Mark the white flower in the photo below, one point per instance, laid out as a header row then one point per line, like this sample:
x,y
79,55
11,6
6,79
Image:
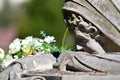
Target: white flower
x,y
42,52
49,39
41,40
27,41
16,57
41,47
38,42
2,53
15,46
37,45
8,59
48,50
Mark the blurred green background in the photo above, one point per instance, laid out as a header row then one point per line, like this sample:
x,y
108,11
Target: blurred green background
x,y
33,16
42,15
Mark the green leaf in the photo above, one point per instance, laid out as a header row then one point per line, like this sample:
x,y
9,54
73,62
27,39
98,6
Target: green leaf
x,y
19,54
1,59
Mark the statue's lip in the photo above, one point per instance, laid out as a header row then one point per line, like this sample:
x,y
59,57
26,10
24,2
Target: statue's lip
x,y
95,18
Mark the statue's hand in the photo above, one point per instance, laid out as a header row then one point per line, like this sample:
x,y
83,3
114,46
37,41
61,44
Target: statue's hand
x,y
91,43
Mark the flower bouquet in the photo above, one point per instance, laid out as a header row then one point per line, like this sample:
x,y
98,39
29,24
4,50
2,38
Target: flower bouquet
x,y
29,46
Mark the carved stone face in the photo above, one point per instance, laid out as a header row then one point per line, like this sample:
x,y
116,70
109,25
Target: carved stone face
x,y
93,20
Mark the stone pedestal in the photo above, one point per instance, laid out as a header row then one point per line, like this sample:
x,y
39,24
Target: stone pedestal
x,y
66,75
73,77
78,77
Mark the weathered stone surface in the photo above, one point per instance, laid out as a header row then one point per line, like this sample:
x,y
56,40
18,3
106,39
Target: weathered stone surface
x,y
45,76
37,62
32,78
85,62
102,15
94,25
11,72
73,77
77,77
67,75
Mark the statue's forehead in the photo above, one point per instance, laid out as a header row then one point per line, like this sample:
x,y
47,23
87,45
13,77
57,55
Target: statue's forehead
x,y
104,14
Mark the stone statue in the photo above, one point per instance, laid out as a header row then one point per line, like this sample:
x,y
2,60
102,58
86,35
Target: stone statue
x,y
95,26
21,66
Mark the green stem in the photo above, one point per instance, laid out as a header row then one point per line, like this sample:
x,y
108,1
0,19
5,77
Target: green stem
x,y
64,36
